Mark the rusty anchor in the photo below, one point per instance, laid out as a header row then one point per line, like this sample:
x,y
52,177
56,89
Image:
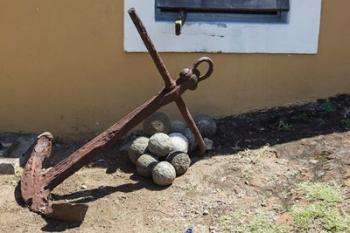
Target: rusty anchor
x,y
36,183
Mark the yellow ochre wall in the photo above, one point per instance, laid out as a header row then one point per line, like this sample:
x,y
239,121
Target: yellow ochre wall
x,y
63,69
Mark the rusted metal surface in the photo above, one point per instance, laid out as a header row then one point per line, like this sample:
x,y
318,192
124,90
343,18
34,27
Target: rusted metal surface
x,y
32,189
36,183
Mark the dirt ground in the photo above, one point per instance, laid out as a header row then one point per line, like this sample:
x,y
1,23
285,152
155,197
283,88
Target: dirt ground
x,y
258,163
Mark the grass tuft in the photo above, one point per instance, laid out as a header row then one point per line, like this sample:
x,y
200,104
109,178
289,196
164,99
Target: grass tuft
x,y
260,223
304,217
322,192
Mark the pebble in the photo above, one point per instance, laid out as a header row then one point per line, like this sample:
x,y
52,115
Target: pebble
x,y
208,143
9,166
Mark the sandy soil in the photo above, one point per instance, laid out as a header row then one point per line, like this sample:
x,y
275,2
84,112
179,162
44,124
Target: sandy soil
x,y
247,176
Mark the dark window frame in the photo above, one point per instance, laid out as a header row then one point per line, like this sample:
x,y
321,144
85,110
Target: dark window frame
x,y
256,11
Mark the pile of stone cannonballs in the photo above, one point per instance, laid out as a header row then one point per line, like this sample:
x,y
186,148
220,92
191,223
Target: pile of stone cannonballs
x,y
163,152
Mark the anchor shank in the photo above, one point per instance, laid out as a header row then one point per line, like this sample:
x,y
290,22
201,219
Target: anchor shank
x,y
158,61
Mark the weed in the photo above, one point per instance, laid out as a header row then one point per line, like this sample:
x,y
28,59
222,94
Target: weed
x,y
334,222
328,107
238,223
322,212
304,217
263,223
330,194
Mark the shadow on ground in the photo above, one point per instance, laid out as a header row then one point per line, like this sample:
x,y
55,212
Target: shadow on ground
x,y
235,133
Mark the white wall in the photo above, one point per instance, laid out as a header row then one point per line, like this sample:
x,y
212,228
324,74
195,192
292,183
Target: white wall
x,y
299,35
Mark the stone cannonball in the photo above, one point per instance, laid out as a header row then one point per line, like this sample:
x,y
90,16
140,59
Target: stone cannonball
x,y
178,126
206,125
180,142
158,122
180,161
191,139
160,145
137,148
145,164
163,173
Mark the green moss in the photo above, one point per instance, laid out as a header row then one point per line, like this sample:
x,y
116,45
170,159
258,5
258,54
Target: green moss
x,y
322,192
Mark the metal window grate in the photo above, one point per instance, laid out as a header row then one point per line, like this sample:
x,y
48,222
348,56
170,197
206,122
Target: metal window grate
x,y
269,11
225,6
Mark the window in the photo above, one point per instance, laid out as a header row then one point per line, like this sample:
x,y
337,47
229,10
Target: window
x,y
284,26
222,10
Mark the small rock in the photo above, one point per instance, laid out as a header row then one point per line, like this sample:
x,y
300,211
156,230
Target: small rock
x,y
205,212
180,142
137,148
83,187
158,122
9,166
208,143
180,161
206,125
212,229
347,182
145,164
313,161
163,173
178,126
160,145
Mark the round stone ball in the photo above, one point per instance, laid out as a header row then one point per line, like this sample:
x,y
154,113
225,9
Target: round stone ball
x,y
180,142
206,125
145,164
158,122
137,148
191,139
160,145
178,126
163,173
180,161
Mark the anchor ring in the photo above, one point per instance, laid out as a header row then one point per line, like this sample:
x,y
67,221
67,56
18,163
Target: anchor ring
x,y
210,67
